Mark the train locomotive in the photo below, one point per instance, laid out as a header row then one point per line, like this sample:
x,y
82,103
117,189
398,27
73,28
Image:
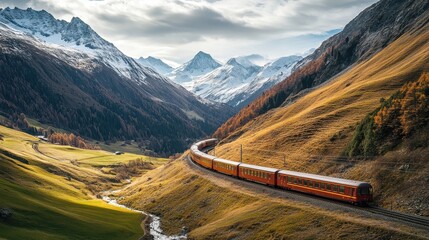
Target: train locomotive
x,y
351,191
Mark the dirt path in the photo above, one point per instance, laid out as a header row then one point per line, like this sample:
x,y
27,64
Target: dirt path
x,y
36,148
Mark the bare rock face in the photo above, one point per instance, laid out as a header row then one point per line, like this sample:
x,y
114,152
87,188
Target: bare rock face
x,y
371,31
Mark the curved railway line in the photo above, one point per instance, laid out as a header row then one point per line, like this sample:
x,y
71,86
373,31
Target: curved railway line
x,y
373,212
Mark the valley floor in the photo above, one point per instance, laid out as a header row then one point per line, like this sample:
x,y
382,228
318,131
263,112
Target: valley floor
x,y
52,192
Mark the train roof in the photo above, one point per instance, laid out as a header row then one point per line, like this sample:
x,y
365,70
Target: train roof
x,y
324,178
266,169
226,161
203,154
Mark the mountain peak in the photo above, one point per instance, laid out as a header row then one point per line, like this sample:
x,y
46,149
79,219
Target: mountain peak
x,y
202,54
233,62
202,61
155,63
77,20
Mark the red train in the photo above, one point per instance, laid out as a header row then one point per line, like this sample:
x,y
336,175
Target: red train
x,y
335,188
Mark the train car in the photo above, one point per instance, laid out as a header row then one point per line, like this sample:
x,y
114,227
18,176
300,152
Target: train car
x,y
329,187
203,159
206,143
226,166
258,174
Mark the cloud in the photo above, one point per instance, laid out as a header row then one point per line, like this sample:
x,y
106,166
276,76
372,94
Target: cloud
x,y
167,26
177,29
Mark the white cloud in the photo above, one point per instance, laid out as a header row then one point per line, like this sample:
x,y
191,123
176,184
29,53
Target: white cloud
x,y
176,29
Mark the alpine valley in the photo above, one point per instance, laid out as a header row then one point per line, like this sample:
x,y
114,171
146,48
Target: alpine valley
x,y
65,75
247,139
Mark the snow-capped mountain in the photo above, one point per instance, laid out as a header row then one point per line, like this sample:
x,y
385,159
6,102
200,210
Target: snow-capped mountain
x,y
156,64
271,74
254,59
74,35
201,64
75,80
223,83
240,79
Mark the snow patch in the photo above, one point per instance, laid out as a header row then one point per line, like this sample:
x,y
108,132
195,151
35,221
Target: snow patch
x,y
193,115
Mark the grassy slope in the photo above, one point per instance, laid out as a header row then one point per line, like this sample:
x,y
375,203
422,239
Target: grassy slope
x,y
215,209
50,198
112,147
303,131
94,158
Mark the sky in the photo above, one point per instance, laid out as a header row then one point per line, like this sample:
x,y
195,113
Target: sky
x,y
175,30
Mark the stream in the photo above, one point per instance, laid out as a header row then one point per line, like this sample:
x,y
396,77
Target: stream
x,y
155,222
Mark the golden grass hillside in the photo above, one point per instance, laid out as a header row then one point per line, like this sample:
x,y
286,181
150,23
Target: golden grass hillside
x,y
213,208
311,133
52,198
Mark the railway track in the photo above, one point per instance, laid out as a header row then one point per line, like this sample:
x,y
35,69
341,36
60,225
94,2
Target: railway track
x,y
422,221
371,211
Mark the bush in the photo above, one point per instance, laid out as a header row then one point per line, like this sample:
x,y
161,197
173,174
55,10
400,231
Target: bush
x,y
402,115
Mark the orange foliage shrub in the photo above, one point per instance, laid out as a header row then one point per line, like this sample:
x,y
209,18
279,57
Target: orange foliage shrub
x,y
71,140
408,110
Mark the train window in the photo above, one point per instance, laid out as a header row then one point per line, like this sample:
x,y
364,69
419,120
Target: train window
x,y
310,183
284,179
305,182
335,187
364,191
290,179
328,187
322,186
316,185
341,189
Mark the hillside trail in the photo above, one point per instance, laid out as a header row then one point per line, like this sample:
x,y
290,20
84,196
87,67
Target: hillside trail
x,y
35,146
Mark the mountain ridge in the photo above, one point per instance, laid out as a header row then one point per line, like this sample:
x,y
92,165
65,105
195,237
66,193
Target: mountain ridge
x,y
82,90
156,64
200,64
372,30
